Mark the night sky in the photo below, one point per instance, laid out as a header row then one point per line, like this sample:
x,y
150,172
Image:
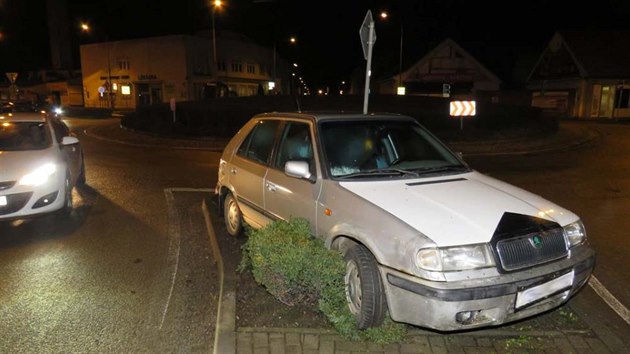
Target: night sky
x,y
506,36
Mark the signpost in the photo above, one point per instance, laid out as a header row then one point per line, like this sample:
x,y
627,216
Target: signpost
x,y
463,109
12,89
368,38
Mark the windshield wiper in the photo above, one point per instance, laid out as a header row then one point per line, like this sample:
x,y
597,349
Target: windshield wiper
x,y
438,169
379,172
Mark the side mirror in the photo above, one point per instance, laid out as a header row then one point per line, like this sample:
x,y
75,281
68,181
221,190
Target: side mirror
x,y
69,140
298,169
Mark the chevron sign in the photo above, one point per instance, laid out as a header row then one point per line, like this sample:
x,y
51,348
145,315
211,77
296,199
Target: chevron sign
x,y
463,108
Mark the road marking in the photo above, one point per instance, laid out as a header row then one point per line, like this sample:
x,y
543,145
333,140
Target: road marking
x,y
173,247
610,299
175,241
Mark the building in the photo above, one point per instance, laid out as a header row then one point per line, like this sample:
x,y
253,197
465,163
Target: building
x,y
584,74
57,87
448,70
130,73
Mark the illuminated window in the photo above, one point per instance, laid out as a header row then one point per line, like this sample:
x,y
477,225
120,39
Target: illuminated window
x,y
125,89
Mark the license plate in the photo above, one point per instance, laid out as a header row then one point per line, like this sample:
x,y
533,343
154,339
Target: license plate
x,y
541,291
3,200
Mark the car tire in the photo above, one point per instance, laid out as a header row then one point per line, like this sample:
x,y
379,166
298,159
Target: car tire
x,y
364,289
232,216
68,203
81,177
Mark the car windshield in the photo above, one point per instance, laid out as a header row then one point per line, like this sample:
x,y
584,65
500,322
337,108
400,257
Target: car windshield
x,y
24,136
384,148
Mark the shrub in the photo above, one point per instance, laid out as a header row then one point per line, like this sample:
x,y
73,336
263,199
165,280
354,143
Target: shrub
x,y
297,268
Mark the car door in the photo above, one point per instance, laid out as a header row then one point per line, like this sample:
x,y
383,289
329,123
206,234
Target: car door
x,y
286,196
248,168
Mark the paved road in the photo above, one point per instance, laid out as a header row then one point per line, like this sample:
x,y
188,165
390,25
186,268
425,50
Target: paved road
x,y
130,272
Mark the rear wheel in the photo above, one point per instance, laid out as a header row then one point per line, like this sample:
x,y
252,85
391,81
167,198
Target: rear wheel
x,y
364,290
232,215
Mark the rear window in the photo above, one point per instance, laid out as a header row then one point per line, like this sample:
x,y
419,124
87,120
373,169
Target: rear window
x,y
24,136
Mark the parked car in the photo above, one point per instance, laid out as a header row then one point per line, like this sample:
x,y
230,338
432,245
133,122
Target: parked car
x,y
426,238
40,163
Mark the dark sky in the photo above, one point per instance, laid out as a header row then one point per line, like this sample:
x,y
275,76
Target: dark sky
x,y
501,35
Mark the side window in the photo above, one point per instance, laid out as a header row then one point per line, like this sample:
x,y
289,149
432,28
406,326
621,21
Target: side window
x,y
296,144
259,142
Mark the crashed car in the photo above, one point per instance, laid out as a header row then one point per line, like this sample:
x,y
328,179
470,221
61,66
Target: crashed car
x,y
426,239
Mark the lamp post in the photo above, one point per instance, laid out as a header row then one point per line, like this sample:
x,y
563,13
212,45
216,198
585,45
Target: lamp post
x,y
85,27
384,16
216,4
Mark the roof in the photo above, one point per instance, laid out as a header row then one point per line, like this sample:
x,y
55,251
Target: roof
x,y
22,117
600,53
330,115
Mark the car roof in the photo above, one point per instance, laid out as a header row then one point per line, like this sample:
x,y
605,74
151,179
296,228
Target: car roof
x,y
23,117
333,115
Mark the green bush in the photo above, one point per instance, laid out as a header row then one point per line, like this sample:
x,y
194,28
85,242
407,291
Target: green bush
x,y
297,268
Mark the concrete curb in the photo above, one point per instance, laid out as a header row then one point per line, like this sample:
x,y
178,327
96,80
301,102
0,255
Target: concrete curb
x,y
225,330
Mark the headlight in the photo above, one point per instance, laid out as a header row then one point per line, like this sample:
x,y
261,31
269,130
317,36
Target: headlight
x,y
58,110
574,234
39,176
455,258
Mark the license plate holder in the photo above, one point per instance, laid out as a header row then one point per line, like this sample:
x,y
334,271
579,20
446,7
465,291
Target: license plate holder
x,y
539,292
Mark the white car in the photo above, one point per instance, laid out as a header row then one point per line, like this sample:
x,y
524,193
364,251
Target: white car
x,y
40,163
426,238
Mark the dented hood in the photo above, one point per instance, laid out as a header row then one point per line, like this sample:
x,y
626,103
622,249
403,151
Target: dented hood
x,y
456,209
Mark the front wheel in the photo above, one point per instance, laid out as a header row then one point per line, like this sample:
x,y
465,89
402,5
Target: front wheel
x,y
364,290
232,216
68,203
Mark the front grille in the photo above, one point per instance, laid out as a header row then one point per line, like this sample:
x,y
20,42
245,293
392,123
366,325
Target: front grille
x,y
531,249
15,202
6,185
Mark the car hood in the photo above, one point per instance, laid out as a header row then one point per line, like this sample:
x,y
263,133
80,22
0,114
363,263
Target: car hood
x,y
456,210
15,164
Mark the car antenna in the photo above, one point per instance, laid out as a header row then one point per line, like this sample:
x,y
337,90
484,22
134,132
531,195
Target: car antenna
x,y
297,103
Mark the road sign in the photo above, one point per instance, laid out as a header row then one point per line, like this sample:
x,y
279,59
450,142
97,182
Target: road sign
x,y
463,108
368,38
364,33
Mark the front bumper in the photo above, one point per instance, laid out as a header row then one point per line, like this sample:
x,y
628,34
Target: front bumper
x,y
24,202
466,304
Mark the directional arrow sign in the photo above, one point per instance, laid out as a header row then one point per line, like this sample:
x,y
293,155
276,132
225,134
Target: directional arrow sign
x,y
463,108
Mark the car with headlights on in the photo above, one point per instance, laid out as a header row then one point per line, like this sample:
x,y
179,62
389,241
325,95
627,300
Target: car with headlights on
x,y
426,239
40,163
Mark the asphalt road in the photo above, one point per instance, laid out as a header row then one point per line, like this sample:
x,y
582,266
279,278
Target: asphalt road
x,y
132,271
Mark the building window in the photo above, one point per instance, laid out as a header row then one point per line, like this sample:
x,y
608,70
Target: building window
x,y
123,64
125,90
251,68
221,66
237,67
622,99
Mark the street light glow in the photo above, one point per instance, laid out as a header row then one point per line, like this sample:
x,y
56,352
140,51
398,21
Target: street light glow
x,y
295,65
293,40
85,27
384,15
217,3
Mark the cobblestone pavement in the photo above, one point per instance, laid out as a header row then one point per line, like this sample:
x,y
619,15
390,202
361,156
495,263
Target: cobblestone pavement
x,y
303,341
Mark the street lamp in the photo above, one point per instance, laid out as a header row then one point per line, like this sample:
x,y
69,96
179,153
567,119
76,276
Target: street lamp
x,y
216,4
85,27
384,16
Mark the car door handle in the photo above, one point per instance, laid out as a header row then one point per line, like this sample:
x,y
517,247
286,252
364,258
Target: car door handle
x,y
271,187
